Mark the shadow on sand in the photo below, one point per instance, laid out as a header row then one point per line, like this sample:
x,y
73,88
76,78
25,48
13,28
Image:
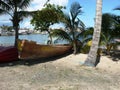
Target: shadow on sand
x,y
115,56
33,61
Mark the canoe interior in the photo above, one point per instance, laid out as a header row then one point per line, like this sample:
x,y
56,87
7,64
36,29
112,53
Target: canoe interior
x,y
31,50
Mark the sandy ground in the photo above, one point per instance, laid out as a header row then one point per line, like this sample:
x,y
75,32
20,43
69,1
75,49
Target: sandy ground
x,y
65,73
106,63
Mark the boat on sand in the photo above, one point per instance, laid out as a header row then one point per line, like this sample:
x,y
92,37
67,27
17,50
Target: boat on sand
x,y
8,54
32,50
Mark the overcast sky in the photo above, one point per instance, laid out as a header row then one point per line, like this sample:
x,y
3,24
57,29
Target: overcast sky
x,y
88,7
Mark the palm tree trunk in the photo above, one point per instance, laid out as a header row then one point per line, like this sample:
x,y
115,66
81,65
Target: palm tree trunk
x,y
15,22
16,35
75,47
92,56
16,28
74,43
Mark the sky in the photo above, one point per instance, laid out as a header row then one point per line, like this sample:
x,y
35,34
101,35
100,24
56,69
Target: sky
x,y
88,8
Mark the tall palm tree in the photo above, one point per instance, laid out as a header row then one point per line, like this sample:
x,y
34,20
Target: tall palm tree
x,y
73,23
92,56
15,8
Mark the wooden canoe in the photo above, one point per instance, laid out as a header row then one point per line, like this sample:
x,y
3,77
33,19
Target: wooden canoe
x,y
8,54
31,50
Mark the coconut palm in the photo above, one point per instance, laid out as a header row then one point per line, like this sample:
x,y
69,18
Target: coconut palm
x,y
92,56
82,37
15,8
110,30
73,24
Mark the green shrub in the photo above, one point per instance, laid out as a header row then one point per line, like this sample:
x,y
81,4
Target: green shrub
x,y
85,49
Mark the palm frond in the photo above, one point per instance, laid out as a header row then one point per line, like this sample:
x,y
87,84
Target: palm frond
x,y
80,25
2,11
106,39
61,35
24,3
23,14
80,35
117,8
116,19
5,5
88,32
67,21
85,40
75,10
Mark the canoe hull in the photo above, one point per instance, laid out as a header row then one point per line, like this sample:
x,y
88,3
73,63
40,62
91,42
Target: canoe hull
x,y
8,54
33,50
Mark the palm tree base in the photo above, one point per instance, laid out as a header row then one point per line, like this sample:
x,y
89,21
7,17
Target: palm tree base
x,y
87,63
91,63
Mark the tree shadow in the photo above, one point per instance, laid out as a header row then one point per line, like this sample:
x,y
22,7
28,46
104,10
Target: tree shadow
x,y
29,62
115,55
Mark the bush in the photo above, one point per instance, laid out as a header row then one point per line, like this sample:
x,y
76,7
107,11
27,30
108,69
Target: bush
x,y
85,49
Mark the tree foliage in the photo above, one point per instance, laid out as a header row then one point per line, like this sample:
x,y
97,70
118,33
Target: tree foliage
x,y
16,9
110,30
5,27
46,17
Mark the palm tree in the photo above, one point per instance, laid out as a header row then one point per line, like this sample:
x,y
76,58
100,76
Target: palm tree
x,y
92,56
73,23
110,30
15,8
81,37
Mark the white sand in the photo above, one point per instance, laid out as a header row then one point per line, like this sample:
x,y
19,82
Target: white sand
x,y
106,63
62,74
